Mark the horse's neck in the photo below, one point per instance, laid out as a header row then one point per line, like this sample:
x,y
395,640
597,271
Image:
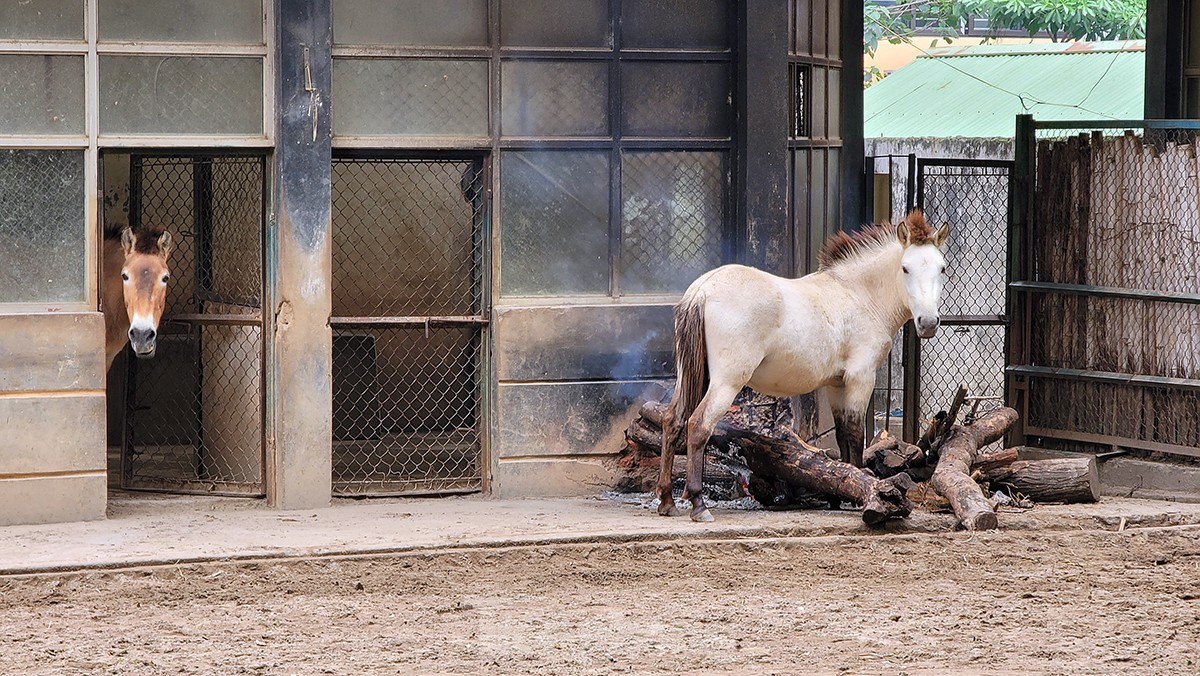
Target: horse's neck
x,y
112,299
873,278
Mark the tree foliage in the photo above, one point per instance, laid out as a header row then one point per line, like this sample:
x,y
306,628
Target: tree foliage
x,y
1060,19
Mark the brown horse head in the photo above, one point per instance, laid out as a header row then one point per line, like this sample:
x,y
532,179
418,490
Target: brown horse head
x,y
144,275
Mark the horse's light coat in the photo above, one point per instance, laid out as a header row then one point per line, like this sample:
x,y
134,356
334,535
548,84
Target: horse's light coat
x,y
785,337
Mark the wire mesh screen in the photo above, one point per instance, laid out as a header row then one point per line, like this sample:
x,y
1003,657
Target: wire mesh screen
x,y
1114,295
194,412
408,305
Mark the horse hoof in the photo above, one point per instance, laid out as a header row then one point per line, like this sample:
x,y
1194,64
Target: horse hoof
x,y
668,509
703,516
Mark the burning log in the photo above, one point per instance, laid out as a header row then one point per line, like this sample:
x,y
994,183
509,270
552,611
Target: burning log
x,y
783,471
1055,480
952,477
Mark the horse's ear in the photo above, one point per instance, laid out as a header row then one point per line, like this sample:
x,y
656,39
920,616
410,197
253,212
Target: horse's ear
x,y
943,233
127,239
164,244
902,233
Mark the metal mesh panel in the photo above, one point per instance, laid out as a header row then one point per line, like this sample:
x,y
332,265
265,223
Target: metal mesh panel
x,y
194,411
673,214
408,299
1113,294
41,225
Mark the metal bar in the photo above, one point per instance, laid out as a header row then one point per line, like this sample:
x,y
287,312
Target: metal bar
x,y
1110,377
214,319
120,141
409,321
1016,339
395,52
1088,437
1116,124
944,162
44,141
974,320
181,49
1109,292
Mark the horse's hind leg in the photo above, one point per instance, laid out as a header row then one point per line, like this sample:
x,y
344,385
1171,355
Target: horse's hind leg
x,y
666,464
699,428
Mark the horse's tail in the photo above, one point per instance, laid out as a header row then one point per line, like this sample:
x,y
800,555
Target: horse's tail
x,y
691,356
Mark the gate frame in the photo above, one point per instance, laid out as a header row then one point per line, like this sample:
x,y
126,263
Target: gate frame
x,y
1022,286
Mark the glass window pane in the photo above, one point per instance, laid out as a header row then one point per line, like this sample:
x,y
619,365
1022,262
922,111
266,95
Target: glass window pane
x,y
803,17
1192,104
800,208
554,223
817,228
445,23
554,23
180,95
410,97
42,226
236,21
42,19
819,26
835,30
675,99
835,102
672,216
554,98
820,106
683,24
41,94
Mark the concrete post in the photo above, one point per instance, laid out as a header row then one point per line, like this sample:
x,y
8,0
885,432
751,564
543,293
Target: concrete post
x,y
300,390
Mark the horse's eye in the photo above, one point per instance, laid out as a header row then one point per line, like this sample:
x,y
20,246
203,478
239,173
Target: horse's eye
x,y
943,269
165,278
905,269
125,276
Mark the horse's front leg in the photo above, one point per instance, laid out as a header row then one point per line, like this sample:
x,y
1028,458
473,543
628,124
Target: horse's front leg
x,y
849,404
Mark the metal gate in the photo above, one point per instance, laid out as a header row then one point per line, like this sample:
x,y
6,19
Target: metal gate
x,y
410,314
194,412
921,376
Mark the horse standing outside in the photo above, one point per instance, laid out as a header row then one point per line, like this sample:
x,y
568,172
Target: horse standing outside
x,y
739,326
133,288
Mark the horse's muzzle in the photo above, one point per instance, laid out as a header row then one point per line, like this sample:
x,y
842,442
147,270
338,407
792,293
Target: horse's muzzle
x,y
927,326
142,341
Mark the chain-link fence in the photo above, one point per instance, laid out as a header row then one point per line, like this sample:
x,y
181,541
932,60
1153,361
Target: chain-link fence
x,y
409,310
1109,287
921,377
194,412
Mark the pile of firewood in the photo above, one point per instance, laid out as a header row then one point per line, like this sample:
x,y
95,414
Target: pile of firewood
x,y
780,470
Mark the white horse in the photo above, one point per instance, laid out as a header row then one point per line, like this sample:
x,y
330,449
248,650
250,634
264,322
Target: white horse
x,y
738,326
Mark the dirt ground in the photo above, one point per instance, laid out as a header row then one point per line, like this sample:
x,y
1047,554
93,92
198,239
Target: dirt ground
x,y
1022,602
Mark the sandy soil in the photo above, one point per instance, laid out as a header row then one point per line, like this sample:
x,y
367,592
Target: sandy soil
x,y
1085,602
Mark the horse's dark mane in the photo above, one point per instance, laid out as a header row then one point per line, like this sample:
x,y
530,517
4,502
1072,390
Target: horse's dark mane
x,y
847,246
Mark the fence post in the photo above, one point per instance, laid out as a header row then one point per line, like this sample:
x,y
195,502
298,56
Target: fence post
x,y
1022,189
299,377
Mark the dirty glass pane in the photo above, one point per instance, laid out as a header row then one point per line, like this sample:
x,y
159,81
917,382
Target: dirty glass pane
x,y
672,217
180,95
236,21
800,208
554,23
696,93
41,226
41,94
410,97
834,104
554,98
817,229
820,106
680,24
554,223
41,19
1192,103
819,27
445,23
835,30
802,44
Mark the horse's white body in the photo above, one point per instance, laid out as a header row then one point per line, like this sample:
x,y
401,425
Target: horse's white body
x,y
784,337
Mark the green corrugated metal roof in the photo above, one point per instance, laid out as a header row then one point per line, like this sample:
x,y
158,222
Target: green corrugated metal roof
x,y
978,91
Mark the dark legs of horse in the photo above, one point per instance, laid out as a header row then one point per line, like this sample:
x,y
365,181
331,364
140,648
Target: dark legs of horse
x,y
670,435
849,429
700,426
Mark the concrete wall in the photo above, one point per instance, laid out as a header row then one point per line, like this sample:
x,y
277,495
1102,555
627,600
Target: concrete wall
x,y
567,381
52,459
